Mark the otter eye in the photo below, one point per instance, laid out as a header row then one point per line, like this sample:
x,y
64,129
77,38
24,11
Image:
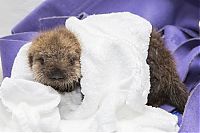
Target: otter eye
x,y
41,60
72,60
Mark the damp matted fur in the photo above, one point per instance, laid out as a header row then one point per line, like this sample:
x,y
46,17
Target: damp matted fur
x,y
54,58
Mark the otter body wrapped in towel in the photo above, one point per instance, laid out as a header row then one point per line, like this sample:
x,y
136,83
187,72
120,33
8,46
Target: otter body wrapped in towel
x,y
116,57
115,83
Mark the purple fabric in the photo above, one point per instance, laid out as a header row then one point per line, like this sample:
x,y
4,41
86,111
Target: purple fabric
x,y
9,47
191,119
183,13
177,20
51,22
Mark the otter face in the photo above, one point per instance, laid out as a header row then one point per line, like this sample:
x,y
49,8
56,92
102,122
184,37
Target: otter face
x,y
54,58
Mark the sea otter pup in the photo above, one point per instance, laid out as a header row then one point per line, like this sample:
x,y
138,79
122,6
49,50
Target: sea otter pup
x,y
54,58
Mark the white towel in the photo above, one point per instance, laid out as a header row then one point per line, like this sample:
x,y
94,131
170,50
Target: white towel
x,y
115,83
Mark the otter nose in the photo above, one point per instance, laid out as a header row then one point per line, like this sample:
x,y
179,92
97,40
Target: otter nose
x,y
56,74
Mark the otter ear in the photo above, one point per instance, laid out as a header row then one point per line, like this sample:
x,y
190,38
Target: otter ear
x,y
30,59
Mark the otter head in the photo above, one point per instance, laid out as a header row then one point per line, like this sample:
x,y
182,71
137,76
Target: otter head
x,y
54,58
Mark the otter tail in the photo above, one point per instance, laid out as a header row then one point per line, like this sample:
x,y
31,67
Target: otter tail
x,y
178,96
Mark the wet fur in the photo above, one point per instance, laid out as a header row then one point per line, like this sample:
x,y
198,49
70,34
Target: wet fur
x,y
166,86
52,50
59,47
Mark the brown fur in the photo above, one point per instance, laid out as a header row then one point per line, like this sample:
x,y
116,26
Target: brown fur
x,y
166,87
56,53
59,46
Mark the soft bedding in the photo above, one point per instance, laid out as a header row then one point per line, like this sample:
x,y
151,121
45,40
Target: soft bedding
x,y
115,84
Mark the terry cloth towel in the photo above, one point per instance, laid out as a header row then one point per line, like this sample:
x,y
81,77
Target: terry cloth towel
x,y
115,83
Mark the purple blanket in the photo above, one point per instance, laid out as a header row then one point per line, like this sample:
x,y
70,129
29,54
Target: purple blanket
x,y
177,20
